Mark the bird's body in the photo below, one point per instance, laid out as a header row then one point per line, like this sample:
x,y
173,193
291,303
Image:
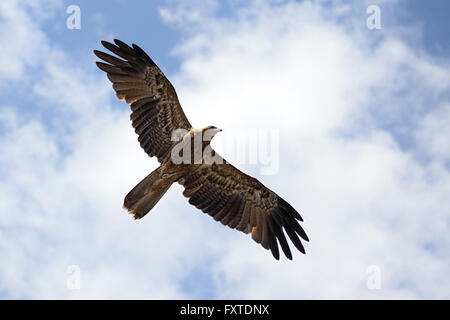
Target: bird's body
x,y
210,182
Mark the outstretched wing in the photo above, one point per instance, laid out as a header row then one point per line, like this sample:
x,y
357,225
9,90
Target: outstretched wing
x,y
243,203
156,111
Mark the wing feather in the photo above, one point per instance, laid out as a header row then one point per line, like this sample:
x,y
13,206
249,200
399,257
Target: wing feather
x,y
220,190
155,109
243,203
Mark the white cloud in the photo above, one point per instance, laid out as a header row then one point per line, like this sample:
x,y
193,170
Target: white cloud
x,y
328,89
366,199
24,40
188,13
434,133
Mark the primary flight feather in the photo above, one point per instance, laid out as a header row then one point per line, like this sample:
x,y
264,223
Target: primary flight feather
x,y
215,187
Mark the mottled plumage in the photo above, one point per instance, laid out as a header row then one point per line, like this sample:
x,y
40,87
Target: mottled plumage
x,y
218,189
156,111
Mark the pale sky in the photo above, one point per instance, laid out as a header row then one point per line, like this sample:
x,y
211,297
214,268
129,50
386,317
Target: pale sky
x,y
362,116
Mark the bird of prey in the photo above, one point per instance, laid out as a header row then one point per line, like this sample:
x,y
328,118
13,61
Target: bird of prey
x,y
215,187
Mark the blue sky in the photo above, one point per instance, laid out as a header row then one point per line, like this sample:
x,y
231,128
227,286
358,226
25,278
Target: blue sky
x,y
363,118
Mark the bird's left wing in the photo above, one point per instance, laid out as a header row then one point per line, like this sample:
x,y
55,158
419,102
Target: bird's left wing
x,y
243,203
156,111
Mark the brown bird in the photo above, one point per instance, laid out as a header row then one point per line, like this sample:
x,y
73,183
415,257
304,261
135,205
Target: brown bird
x,y
215,187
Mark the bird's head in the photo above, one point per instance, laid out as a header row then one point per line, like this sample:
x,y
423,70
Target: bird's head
x,y
209,132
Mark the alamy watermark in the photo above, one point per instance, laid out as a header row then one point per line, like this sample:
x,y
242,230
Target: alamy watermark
x,y
374,19
73,281
254,147
373,281
73,21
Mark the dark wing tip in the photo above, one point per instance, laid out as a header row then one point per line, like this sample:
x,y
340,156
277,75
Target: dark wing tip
x,y
108,45
141,53
275,251
120,43
306,238
99,53
287,218
275,225
124,47
105,43
285,205
103,66
298,228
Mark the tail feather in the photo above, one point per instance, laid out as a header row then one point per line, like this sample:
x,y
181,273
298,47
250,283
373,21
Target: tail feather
x,y
144,196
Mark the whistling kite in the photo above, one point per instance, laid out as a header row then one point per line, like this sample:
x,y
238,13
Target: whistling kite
x,y
219,189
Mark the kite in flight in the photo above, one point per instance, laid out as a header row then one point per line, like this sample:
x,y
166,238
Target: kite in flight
x,y
215,187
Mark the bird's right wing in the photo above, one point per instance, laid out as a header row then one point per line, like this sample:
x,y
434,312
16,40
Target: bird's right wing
x,y
243,203
156,111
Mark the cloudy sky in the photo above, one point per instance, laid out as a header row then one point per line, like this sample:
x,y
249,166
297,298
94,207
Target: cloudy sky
x,y
362,118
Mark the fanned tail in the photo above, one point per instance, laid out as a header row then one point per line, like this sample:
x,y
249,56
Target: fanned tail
x,y
146,194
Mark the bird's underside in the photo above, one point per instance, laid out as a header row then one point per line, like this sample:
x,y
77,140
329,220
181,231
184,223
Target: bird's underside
x,y
218,188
